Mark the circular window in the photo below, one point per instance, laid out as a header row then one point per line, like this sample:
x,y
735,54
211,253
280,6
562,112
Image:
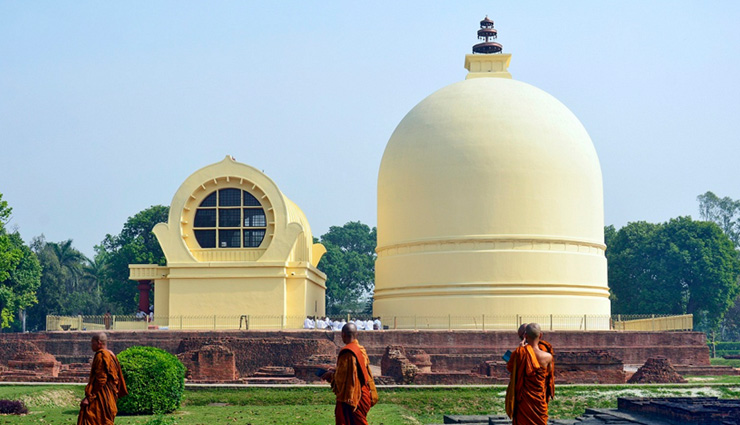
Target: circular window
x,y
230,218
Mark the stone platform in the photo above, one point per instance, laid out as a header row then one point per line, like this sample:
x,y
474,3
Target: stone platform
x,y
637,411
443,357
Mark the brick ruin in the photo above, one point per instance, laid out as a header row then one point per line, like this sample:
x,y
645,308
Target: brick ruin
x,y
214,363
687,410
637,411
25,362
571,367
656,370
398,357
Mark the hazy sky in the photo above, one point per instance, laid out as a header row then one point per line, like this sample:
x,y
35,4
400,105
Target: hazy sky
x,y
106,107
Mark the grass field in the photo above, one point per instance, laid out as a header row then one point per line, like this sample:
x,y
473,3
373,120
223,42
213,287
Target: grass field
x,y
725,362
57,404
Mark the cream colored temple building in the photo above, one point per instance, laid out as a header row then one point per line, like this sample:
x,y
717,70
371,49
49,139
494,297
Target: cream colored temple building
x,y
490,203
235,246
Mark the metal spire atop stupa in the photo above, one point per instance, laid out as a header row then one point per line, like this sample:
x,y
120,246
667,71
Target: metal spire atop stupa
x,y
487,33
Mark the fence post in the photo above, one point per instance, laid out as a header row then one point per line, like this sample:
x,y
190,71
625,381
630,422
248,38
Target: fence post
x,y
652,322
181,322
395,322
585,327
282,321
483,322
517,321
551,322
449,322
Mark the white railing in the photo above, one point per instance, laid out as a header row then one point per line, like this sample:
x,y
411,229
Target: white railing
x,y
439,322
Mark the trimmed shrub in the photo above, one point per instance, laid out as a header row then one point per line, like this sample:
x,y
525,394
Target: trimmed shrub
x,y
155,381
12,407
726,345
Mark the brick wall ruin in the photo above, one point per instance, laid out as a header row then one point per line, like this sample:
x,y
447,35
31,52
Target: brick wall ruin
x,y
439,356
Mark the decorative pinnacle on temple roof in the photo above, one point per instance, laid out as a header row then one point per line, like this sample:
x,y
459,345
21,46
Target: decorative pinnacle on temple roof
x,y
487,33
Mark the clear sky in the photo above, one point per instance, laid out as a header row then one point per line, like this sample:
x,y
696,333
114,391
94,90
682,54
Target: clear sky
x,y
106,107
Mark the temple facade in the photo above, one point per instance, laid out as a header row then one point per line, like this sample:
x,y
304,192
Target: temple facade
x,y
236,247
490,202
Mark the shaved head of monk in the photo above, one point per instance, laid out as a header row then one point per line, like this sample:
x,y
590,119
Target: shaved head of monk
x,y
533,331
98,341
522,330
349,333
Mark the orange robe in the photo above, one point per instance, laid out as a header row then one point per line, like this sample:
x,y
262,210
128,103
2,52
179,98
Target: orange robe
x,y
530,387
105,386
353,385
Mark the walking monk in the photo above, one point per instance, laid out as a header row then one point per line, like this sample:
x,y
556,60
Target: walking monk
x,y
105,386
531,386
352,381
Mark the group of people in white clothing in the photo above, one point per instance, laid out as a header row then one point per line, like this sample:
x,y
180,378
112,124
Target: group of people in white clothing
x,y
326,323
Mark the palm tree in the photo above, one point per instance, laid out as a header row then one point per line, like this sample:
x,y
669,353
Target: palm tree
x,y
70,259
94,271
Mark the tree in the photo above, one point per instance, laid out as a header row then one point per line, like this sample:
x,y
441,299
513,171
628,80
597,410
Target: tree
x,y
682,266
349,264
18,291
51,291
70,260
136,244
636,270
723,211
19,271
730,328
726,213
94,272
9,255
64,288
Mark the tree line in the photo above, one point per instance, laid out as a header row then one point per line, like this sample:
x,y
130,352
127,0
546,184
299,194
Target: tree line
x,y
682,266
677,267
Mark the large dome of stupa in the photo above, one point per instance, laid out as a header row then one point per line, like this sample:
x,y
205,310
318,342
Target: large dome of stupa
x,y
490,203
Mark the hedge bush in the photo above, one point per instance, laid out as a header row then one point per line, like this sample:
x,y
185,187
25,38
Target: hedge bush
x,y
12,407
726,345
155,381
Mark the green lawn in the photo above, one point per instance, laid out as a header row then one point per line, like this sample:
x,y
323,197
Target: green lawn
x,y
725,362
57,404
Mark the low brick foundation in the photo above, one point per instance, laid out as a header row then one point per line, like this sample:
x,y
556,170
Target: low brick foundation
x,y
588,367
437,353
707,370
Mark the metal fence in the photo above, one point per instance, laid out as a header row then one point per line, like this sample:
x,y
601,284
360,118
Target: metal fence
x,y
444,322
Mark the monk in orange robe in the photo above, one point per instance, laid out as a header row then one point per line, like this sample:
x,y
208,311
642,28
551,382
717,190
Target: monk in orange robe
x,y
352,381
531,385
105,386
544,346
